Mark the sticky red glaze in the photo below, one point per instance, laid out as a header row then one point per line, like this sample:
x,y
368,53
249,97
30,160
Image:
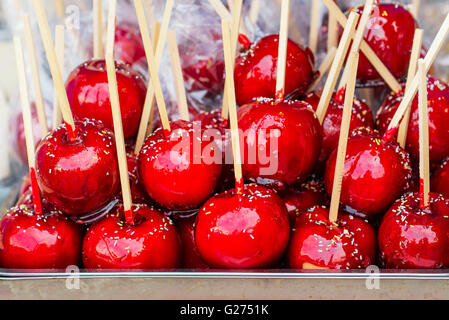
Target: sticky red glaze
x,y
299,143
18,130
138,193
389,32
205,74
29,241
191,258
88,93
128,44
350,243
78,177
440,179
173,172
361,117
151,243
376,173
438,104
250,230
255,70
311,193
411,237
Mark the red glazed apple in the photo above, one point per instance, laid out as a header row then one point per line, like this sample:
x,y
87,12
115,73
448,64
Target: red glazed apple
x,y
88,93
181,171
361,117
440,179
255,70
411,237
310,194
191,258
138,193
389,32
248,230
80,176
128,44
30,241
204,75
438,102
350,243
151,243
282,141
376,173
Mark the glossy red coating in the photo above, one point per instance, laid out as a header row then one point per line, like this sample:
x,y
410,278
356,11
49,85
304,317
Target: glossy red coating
x,y
88,92
128,44
440,179
191,258
138,193
81,176
297,200
151,243
256,67
295,129
29,241
205,74
389,32
248,230
438,106
179,172
350,243
361,117
411,237
376,173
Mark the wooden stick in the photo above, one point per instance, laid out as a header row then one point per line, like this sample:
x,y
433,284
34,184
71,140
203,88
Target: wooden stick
x,y
229,63
324,67
380,67
416,51
429,60
367,9
178,77
343,140
60,8
98,29
424,163
282,51
60,50
116,114
314,26
254,11
39,98
55,68
332,31
27,123
414,8
340,56
236,18
221,10
231,5
146,122
152,63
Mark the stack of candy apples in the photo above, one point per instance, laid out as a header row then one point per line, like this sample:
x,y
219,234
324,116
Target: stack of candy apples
x,y
283,175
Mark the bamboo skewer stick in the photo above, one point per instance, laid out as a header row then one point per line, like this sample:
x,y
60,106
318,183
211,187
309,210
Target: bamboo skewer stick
x,y
282,52
27,122
380,67
343,140
367,9
416,50
98,29
178,77
414,8
230,92
331,81
146,123
314,26
424,163
324,67
59,4
55,68
39,99
429,60
116,115
60,48
332,32
221,10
